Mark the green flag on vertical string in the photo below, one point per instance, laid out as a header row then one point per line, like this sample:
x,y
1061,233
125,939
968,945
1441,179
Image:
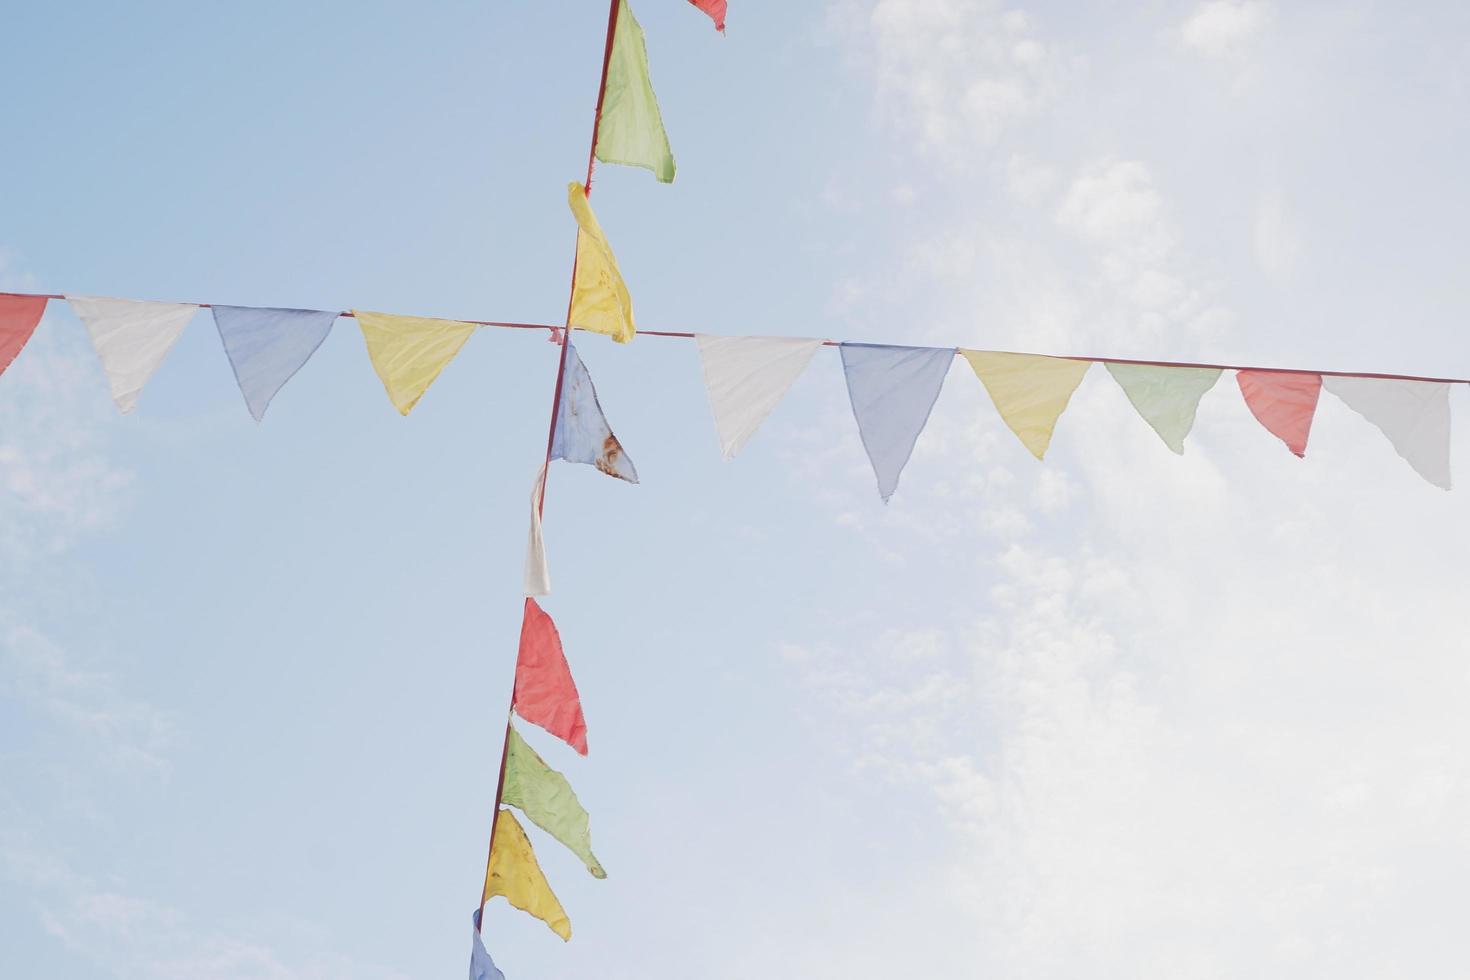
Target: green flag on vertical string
x,y
547,800
631,132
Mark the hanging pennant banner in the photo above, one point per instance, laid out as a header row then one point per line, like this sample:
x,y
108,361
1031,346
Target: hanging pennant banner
x,y
482,967
1030,391
1415,415
515,874
1166,397
631,129
18,318
600,300
716,10
544,692
892,391
746,377
267,346
547,800
582,434
1284,403
131,338
408,352
537,579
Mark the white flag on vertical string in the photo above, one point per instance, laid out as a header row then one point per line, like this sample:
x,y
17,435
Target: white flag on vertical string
x,y
1415,415
537,574
131,338
746,377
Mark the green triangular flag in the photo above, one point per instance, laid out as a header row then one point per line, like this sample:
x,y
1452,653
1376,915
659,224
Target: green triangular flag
x,y
547,800
1166,397
631,132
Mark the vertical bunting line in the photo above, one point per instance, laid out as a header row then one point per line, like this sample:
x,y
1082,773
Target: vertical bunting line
x,y
612,24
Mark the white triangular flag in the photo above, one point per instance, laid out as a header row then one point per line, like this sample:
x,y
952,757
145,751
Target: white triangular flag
x,y
1415,415
131,338
746,377
537,575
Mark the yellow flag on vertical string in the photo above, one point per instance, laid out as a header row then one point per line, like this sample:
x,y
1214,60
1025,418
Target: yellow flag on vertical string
x,y
1029,390
600,300
408,352
515,874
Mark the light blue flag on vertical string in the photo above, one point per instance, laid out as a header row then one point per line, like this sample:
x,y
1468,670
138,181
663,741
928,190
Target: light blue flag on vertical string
x,y
892,390
482,967
582,434
266,347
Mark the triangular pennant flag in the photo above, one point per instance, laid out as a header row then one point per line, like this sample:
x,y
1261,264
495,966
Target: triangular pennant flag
x,y
582,434
892,391
515,874
1030,391
537,578
1284,402
600,300
131,338
1166,397
547,800
1415,415
630,130
408,352
482,967
716,10
18,318
267,346
746,377
545,693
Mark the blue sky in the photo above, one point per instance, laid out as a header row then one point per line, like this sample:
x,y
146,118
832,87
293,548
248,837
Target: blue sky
x,y
1122,713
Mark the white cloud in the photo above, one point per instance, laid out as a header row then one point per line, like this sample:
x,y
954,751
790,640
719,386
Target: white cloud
x,y
1222,28
1277,238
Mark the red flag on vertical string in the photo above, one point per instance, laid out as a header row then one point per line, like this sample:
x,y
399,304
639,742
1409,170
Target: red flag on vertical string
x,y
716,11
1283,402
18,318
545,694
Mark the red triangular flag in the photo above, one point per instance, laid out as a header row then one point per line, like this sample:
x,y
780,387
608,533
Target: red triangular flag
x,y
715,9
545,694
1283,402
18,318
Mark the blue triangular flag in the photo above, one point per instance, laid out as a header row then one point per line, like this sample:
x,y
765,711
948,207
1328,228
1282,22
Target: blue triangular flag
x,y
582,434
267,346
482,967
892,390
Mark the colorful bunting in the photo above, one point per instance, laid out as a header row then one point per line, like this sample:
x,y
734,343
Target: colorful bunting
x,y
482,967
582,434
716,10
1029,390
408,352
515,874
267,346
746,377
631,129
1166,397
892,391
18,318
544,692
537,578
1415,415
600,300
547,800
1283,402
131,338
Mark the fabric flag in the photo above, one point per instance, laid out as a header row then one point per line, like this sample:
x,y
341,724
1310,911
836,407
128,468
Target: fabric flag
x,y
892,390
482,967
1166,397
746,377
544,692
582,434
1030,391
537,579
515,874
600,300
1415,415
18,318
408,352
631,129
547,800
131,337
716,10
267,346
1283,402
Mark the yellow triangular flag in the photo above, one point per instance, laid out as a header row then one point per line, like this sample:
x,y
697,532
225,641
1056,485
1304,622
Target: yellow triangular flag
x,y
600,300
1029,390
515,874
408,352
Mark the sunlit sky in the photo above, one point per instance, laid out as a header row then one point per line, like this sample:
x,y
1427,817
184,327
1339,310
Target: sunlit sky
x,y
1120,714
